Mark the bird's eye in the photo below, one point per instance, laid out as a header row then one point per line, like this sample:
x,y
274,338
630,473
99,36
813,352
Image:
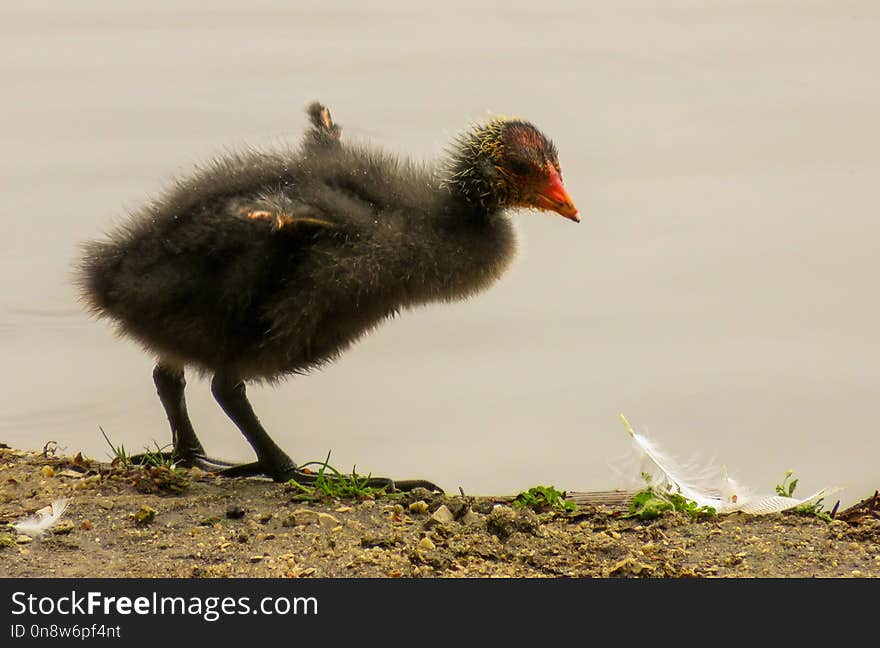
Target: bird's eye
x,y
520,167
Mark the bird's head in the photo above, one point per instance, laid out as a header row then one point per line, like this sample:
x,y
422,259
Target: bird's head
x,y
509,163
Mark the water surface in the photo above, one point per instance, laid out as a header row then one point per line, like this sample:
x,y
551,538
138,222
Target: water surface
x,y
721,291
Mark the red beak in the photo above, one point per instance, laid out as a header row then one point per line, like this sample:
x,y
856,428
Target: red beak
x,y
554,197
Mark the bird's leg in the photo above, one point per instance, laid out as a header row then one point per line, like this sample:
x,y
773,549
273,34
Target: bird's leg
x,y
272,461
188,451
230,393
170,385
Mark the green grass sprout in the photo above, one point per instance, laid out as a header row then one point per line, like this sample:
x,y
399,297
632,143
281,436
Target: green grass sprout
x,y
544,498
333,484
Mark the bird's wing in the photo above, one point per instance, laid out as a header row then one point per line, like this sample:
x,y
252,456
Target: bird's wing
x,y
281,213
282,219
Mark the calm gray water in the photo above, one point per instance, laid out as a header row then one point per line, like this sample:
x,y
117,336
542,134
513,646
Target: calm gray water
x,y
721,291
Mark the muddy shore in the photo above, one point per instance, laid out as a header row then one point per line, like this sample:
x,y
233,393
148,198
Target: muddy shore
x,y
136,522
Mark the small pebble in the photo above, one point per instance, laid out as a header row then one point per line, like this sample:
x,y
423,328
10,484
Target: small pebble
x,y
425,543
441,516
630,566
63,528
327,521
234,512
300,517
470,517
145,515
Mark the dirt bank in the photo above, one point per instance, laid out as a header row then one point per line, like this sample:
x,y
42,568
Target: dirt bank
x,y
131,522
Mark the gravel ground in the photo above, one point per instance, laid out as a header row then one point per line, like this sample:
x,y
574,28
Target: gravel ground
x,y
153,523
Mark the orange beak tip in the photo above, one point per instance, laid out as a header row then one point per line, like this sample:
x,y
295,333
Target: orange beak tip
x,y
553,196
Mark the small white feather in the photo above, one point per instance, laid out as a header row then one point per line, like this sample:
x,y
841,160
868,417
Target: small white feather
x,y
42,520
720,492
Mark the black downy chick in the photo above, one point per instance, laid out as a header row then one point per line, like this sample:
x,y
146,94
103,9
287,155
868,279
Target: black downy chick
x,y
266,264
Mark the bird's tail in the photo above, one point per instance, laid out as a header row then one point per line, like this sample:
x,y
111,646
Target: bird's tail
x,y
94,276
324,131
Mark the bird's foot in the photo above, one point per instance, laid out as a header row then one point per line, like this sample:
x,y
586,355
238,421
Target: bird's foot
x,y
182,459
308,478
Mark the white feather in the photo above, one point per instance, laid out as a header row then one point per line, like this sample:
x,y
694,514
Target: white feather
x,y
720,491
42,520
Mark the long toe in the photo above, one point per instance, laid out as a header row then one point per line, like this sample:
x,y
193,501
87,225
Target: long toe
x,y
184,460
253,469
412,484
309,478
152,458
208,464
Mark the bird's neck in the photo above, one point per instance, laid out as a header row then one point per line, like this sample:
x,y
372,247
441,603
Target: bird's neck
x,y
469,174
461,247
470,188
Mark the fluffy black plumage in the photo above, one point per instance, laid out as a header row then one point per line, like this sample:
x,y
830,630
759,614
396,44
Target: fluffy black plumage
x,y
199,283
264,264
